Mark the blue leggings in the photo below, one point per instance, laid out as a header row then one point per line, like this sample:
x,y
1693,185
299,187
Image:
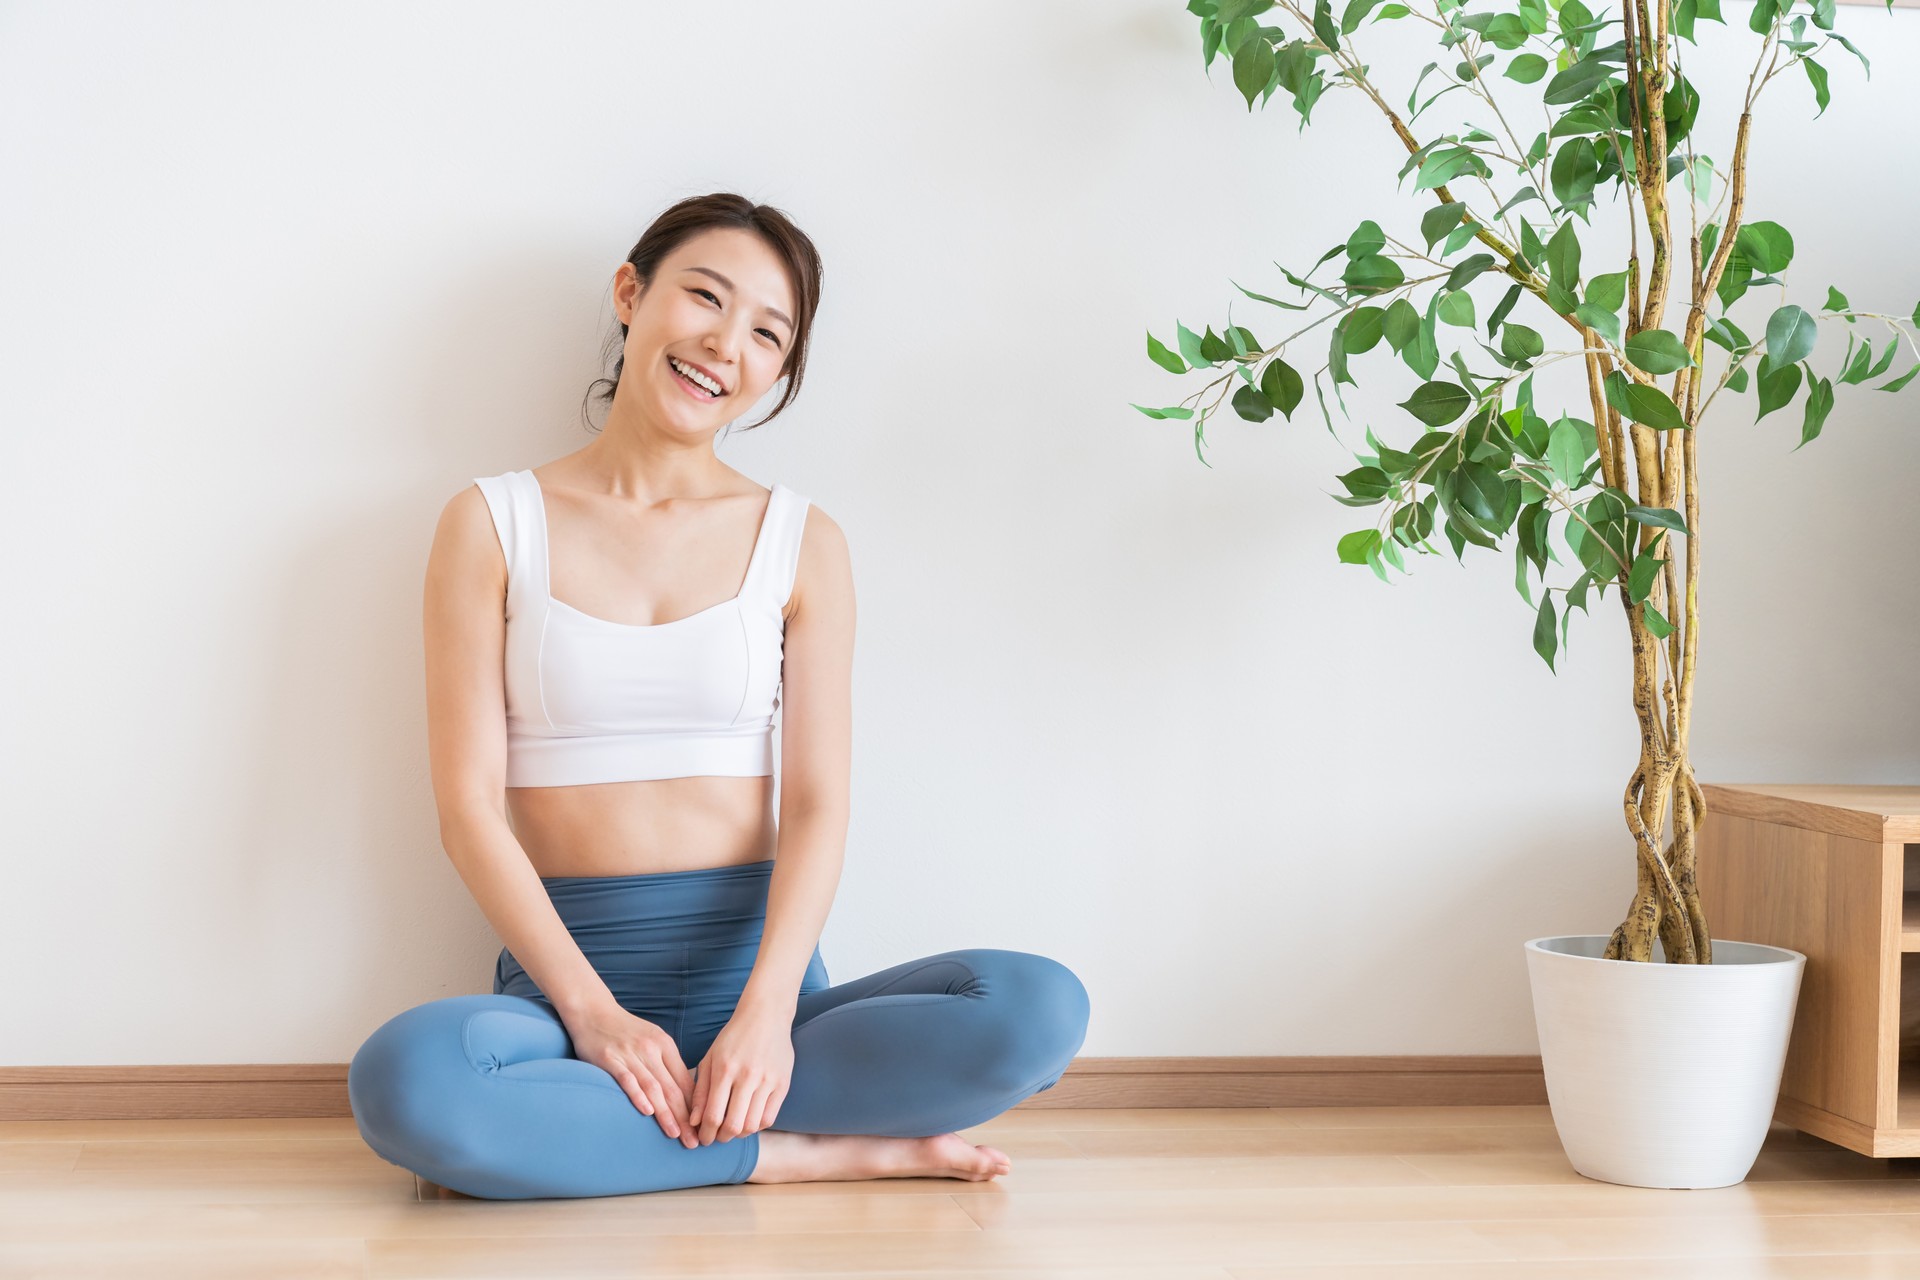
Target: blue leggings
x,y
483,1093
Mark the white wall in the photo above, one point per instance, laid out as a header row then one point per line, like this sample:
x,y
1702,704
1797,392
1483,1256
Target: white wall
x,y
278,283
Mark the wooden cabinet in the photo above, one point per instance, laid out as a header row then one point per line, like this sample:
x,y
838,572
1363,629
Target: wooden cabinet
x,y
1832,871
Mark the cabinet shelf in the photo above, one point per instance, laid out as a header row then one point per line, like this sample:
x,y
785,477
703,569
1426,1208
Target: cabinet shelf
x,y
1832,871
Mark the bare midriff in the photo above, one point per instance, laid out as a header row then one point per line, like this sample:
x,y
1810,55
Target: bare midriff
x,y
639,828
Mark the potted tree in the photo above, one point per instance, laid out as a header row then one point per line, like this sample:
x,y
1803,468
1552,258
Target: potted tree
x,y
1662,1046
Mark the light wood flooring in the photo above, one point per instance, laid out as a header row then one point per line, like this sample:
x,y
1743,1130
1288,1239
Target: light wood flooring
x,y
1427,1193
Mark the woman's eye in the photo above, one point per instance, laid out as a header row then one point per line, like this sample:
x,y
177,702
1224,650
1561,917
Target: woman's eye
x,y
716,302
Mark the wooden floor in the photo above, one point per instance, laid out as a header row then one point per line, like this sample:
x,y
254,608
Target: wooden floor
x,y
1247,1193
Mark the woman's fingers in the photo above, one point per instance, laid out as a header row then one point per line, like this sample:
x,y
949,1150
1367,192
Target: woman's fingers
x,y
759,1109
663,1108
631,1087
734,1123
713,1112
677,1103
677,1068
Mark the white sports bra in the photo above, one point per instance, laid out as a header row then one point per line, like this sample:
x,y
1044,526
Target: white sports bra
x,y
591,700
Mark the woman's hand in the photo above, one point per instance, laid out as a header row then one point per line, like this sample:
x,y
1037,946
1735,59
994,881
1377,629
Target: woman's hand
x,y
643,1060
744,1077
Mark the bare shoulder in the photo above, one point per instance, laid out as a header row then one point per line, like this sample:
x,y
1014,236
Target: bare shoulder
x,y
825,572
466,545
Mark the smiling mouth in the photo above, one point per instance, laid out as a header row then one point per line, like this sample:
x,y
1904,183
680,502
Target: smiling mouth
x,y
690,383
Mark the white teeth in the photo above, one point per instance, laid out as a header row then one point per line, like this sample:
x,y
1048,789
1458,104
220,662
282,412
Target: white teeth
x,y
695,376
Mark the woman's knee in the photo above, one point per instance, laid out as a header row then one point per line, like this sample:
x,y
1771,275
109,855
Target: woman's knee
x,y
413,1084
1045,1011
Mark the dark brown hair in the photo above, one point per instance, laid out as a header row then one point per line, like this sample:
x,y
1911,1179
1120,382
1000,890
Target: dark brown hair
x,y
697,214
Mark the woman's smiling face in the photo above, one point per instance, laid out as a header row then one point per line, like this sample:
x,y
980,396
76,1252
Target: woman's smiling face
x,y
721,301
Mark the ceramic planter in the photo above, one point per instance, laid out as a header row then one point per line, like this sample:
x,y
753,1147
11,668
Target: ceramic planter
x,y
1662,1075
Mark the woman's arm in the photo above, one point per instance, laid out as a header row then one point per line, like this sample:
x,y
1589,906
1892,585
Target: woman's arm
x,y
465,632
816,749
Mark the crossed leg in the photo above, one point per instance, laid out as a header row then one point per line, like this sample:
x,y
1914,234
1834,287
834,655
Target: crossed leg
x,y
482,1093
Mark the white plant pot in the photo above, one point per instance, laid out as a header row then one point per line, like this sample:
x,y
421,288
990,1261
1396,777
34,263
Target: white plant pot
x,y
1663,1075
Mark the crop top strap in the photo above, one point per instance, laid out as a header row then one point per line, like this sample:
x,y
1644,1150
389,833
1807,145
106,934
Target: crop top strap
x,y
514,500
776,559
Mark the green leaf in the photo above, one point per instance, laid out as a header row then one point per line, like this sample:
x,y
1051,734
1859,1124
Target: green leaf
x,y
1880,365
1657,351
1440,219
1370,483
1423,353
1817,76
1443,166
1163,357
1646,566
1437,403
1563,263
1190,346
1575,168
1545,634
1373,274
1467,269
1790,335
1836,300
1767,245
1733,280
1323,25
1360,331
1577,81
1527,68
1646,405
1252,68
1567,452
1457,309
1898,382
1367,238
1608,291
1518,342
1355,547
1728,334
1251,405
1505,305
1274,302
1655,620
1660,517
1179,412
1819,404
1859,368
1402,324
1281,385
1864,64
1776,385
1355,14
1604,322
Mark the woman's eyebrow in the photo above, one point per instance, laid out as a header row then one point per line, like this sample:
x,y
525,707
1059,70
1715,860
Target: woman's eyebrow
x,y
709,271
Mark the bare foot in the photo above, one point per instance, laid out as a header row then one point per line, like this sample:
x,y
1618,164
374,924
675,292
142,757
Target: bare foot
x,y
833,1157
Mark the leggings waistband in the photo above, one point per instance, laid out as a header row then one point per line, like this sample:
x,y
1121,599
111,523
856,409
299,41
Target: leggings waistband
x,y
670,943
694,875
702,904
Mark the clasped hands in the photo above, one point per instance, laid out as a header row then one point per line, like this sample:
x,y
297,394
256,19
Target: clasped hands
x,y
741,1082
